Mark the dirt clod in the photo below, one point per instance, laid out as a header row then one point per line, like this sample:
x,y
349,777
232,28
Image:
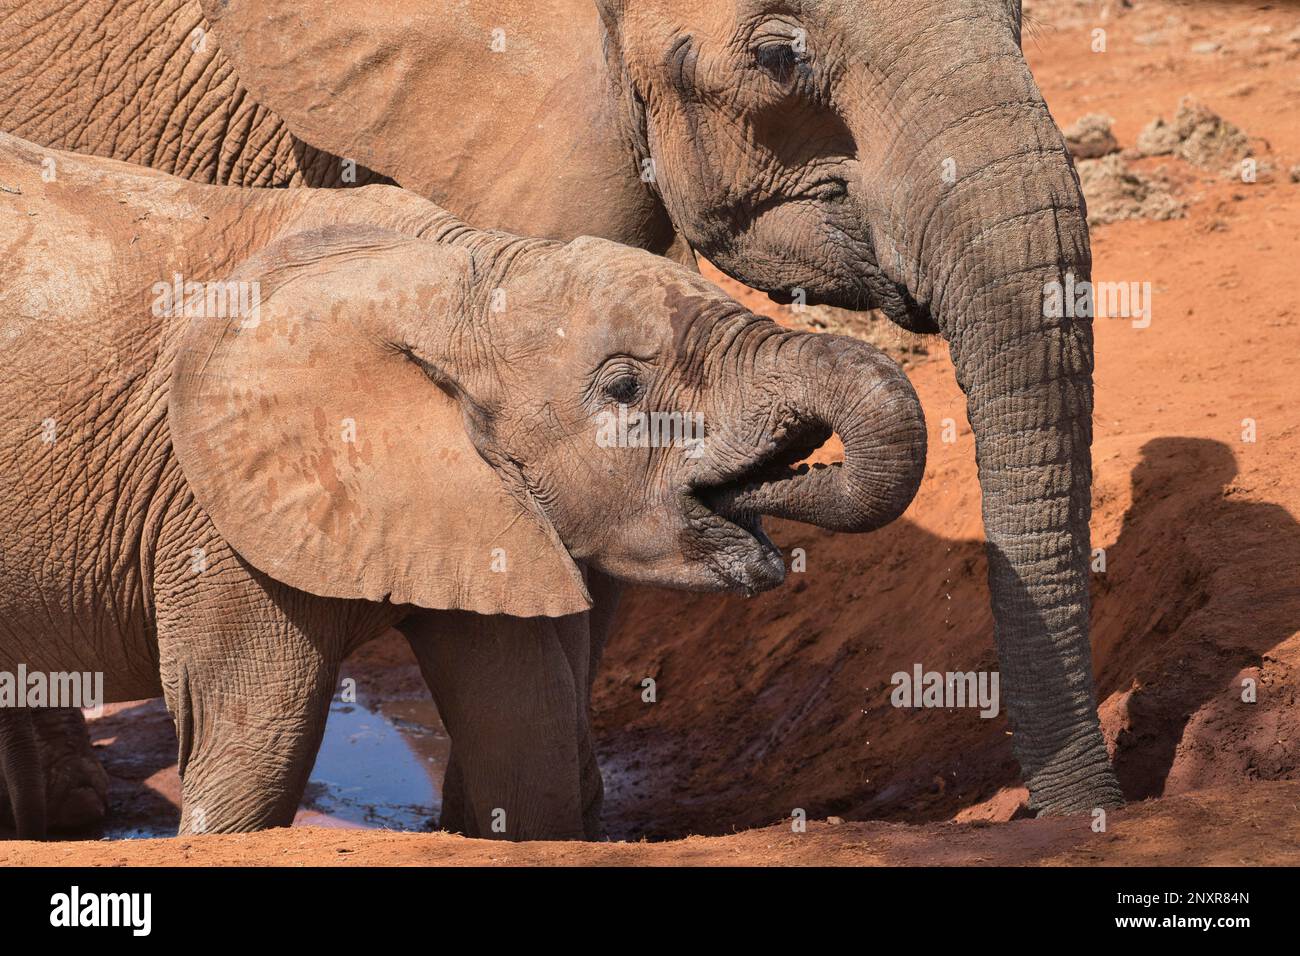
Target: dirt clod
x,y
1157,138
1197,135
1115,192
1090,137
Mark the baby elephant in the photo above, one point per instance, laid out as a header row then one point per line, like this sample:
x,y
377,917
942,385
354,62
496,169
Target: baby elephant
x,y
249,430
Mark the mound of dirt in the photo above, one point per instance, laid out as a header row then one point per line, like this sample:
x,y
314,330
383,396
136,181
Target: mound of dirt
x,y
1090,137
1114,192
1197,135
1157,138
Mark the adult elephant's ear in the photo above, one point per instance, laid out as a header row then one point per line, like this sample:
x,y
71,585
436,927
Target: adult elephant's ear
x,y
361,83
325,429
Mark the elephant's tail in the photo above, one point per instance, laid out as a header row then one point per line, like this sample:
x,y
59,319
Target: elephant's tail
x,y
20,763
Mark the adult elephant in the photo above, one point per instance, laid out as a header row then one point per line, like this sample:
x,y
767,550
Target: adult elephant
x,y
879,153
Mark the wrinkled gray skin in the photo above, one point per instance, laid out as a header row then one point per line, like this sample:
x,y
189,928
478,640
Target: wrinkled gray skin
x,y
890,153
49,745
20,769
478,430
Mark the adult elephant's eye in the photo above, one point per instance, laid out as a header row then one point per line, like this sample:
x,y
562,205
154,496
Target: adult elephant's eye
x,y
625,389
778,60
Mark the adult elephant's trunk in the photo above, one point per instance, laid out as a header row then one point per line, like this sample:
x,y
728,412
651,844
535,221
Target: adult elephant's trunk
x,y
835,385
983,215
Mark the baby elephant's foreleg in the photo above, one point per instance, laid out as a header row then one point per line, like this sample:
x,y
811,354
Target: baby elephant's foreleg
x,y
506,691
249,668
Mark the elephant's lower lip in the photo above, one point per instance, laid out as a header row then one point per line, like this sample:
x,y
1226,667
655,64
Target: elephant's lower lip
x,y
749,568
718,505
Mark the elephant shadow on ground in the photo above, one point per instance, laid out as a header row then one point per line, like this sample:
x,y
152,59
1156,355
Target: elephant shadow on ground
x,y
1200,589
782,701
717,713
137,747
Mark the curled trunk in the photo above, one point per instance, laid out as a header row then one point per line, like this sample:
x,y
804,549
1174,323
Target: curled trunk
x,y
837,386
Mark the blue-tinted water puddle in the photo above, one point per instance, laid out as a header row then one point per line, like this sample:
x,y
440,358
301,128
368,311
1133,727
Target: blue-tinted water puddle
x,y
375,769
378,768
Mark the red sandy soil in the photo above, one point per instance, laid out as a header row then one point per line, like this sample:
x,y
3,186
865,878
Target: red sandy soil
x,y
782,701
1189,830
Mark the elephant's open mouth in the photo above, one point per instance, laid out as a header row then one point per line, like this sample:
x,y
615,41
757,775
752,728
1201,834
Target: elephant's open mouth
x,y
726,506
754,486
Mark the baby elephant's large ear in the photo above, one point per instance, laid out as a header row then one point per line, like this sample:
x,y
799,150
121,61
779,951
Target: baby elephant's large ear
x,y
325,430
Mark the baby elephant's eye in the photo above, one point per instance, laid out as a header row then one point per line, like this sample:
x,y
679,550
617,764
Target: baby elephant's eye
x,y
625,389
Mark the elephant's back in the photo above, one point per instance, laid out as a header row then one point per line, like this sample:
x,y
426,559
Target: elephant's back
x,y
84,371
97,248
145,83
75,281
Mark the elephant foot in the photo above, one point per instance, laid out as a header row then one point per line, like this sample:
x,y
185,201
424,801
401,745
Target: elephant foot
x,y
76,793
76,786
